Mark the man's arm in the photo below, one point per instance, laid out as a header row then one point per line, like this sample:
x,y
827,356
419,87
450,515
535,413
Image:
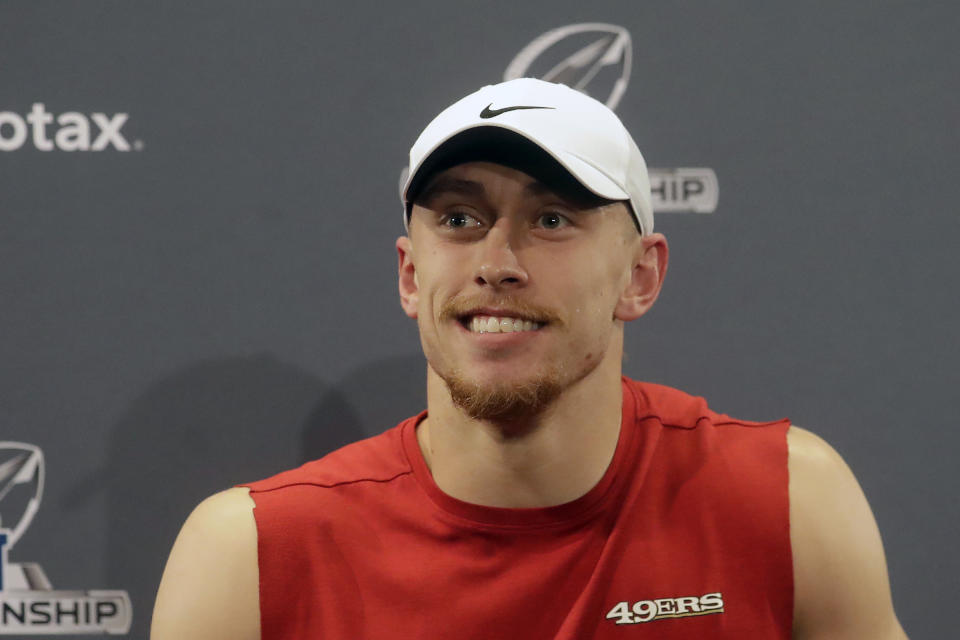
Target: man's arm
x,y
840,574
210,587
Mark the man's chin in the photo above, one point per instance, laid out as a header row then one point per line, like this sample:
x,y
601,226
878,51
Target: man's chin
x,y
503,401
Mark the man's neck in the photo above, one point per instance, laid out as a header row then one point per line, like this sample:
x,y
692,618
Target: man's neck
x,y
556,457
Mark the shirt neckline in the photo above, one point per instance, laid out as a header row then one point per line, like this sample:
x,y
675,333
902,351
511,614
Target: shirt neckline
x,y
568,513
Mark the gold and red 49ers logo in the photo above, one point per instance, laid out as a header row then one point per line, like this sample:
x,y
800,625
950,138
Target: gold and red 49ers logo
x,y
659,608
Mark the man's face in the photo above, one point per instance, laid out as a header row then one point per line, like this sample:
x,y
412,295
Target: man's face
x,y
519,292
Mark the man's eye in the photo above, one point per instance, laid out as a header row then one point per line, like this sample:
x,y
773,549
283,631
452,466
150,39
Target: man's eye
x,y
553,220
459,220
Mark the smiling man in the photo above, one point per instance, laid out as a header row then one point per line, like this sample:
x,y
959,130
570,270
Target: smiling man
x,y
541,494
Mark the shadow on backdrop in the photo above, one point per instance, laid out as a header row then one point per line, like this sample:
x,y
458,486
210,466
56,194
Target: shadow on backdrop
x,y
192,433
368,401
218,423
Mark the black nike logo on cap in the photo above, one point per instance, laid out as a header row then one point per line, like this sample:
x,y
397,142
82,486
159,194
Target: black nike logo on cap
x,y
493,113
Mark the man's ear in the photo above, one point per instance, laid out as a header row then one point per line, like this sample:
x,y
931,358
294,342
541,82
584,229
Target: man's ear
x,y
409,287
649,267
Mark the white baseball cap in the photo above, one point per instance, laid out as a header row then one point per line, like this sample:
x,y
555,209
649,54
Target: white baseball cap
x,y
584,136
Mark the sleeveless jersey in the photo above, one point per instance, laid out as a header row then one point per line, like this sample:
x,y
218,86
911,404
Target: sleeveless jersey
x,y
685,536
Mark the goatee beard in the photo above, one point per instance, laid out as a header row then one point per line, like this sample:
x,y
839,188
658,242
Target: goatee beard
x,y
506,401
503,401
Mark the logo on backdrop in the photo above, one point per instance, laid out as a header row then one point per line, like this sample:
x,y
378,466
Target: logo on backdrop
x,y
67,131
596,58
605,60
28,602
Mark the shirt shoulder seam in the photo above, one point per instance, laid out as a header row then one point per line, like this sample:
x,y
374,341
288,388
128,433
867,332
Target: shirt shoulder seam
x,y
328,485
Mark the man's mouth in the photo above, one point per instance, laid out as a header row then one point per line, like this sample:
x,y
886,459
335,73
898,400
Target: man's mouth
x,y
481,323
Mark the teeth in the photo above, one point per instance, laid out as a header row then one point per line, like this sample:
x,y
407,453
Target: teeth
x,y
492,324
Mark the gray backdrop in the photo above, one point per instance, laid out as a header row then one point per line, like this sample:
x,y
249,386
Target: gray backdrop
x,y
219,302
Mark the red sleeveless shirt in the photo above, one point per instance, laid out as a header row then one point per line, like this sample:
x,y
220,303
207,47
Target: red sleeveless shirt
x,y
686,536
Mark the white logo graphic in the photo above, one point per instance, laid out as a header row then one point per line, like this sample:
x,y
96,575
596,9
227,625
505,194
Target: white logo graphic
x,y
579,69
608,49
73,131
693,190
28,603
660,608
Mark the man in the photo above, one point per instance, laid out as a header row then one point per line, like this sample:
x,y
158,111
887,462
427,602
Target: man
x,y
541,495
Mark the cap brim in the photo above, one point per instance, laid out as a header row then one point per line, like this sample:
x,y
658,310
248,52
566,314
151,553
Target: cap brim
x,y
505,145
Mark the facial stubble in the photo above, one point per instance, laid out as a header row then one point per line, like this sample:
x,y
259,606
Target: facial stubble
x,y
506,401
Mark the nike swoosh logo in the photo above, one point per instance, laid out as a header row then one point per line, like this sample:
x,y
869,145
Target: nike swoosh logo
x,y
493,113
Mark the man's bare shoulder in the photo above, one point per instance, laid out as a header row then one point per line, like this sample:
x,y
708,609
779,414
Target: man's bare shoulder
x,y
840,572
210,586
223,508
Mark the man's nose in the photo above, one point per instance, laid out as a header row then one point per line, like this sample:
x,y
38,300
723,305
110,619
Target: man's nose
x,y
499,266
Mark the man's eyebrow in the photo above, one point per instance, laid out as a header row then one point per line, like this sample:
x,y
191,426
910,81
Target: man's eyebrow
x,y
447,184
537,188
571,195
471,188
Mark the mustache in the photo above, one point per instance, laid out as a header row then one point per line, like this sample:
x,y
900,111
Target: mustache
x,y
459,306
